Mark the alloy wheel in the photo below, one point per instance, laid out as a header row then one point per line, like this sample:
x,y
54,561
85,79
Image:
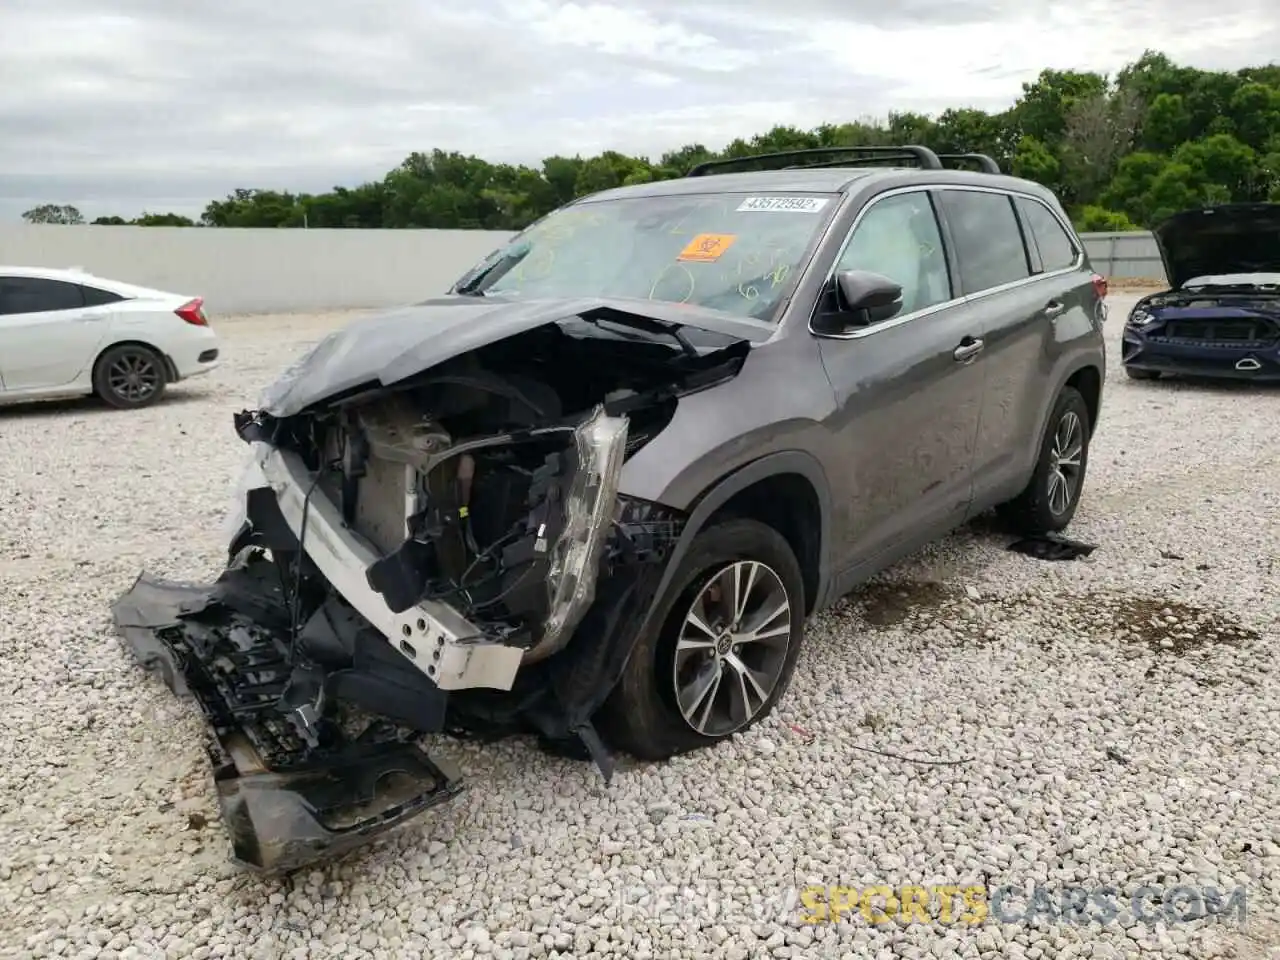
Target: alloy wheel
x,y
133,376
1066,463
732,648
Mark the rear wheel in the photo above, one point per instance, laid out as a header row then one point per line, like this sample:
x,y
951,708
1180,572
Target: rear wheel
x,y
130,376
725,650
1049,501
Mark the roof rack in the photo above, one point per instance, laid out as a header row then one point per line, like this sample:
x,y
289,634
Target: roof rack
x,y
925,158
852,162
984,162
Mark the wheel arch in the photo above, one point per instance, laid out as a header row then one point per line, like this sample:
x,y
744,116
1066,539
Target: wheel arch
x,y
1087,379
170,369
788,491
1087,373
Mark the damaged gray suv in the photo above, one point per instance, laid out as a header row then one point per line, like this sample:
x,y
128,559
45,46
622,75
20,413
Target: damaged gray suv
x,y
594,492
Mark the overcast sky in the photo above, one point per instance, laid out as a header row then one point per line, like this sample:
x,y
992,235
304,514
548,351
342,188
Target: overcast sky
x,y
120,106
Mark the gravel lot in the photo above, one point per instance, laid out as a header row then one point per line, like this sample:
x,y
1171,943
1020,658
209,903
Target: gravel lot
x,y
1118,718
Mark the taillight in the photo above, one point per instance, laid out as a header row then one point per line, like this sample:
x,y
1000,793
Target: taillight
x,y
193,312
1100,285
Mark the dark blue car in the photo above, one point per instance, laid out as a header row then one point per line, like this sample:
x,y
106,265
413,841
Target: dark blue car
x,y
1220,316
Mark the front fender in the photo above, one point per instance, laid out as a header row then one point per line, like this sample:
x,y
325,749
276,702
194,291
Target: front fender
x,y
720,493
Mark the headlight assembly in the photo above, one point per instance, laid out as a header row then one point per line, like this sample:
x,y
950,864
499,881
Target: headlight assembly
x,y
1139,317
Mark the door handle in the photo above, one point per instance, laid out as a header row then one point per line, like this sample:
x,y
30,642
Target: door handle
x,y
968,349
1054,308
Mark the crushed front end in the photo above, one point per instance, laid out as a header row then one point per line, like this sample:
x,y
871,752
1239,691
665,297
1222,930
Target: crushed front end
x,y
448,555
1230,333
292,789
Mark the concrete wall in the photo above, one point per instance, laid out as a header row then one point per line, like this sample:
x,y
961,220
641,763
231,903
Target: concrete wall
x,y
1132,254
253,271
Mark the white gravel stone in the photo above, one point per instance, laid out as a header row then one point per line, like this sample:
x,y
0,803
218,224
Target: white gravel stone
x,y
1121,713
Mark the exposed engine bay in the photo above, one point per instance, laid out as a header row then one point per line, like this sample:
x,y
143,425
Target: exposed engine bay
x,y
445,554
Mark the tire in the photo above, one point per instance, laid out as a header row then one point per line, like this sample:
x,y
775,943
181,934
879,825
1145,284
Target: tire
x,y
130,376
1039,508
1135,374
643,715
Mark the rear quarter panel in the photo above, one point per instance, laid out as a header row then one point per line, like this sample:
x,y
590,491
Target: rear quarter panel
x,y
158,326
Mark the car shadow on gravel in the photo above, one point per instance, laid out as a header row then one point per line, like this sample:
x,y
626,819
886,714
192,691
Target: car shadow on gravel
x,y
55,408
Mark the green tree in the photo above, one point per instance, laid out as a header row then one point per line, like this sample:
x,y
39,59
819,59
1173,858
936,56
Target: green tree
x,y
1095,219
163,220
1129,187
1167,123
1255,113
1033,160
253,208
1224,162
54,213
1042,110
1176,187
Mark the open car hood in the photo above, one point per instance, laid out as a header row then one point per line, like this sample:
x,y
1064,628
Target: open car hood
x,y
1233,238
390,347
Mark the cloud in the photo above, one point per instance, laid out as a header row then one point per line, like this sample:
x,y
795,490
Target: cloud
x,y
128,105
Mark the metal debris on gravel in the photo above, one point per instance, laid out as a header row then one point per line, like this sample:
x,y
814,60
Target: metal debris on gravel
x,y
1121,714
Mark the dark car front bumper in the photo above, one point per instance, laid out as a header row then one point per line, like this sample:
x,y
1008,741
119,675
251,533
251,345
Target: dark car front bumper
x,y
1215,359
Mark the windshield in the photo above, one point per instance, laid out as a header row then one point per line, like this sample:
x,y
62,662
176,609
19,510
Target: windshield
x,y
734,252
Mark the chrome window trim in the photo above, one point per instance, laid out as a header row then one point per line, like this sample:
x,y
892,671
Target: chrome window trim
x,y
954,301
1076,245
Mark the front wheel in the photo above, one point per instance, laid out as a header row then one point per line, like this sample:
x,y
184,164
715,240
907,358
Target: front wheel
x,y
725,651
1050,499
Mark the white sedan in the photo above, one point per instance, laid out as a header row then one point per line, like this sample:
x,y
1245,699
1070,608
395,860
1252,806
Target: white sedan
x,y
65,333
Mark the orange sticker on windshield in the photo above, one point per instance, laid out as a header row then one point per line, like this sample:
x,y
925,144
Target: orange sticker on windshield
x,y
706,247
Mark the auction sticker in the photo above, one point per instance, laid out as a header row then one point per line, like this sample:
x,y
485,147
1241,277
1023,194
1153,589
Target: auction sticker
x,y
782,204
707,247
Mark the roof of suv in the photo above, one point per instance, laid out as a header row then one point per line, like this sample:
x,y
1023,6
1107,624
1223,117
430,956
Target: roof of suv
x,y
816,180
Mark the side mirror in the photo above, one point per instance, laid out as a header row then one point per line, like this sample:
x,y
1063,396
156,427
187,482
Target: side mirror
x,y
870,297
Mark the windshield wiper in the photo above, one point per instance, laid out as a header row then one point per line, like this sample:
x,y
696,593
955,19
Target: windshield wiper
x,y
470,286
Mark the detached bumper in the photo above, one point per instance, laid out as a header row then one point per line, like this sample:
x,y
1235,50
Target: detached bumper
x,y
1220,360
286,803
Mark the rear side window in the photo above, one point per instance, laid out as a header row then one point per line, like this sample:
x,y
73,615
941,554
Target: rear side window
x,y
37,295
987,237
93,297
1057,249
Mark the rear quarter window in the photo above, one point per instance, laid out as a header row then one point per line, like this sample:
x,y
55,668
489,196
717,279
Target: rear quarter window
x,y
93,297
987,238
1058,250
